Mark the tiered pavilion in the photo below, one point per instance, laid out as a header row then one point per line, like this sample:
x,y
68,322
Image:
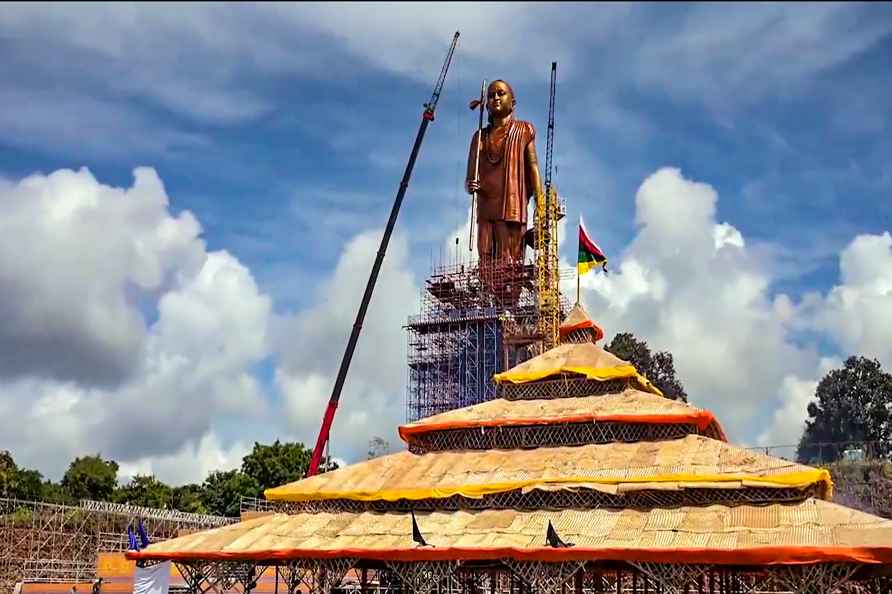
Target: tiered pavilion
x,y
580,476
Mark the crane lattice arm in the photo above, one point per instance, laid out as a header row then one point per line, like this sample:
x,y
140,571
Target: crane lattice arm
x,y
547,215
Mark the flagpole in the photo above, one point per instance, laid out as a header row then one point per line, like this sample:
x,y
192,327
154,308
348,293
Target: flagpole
x,y
577,263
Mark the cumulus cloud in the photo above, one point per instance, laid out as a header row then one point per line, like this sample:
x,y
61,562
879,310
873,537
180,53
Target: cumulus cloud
x,y
191,463
793,397
127,337
687,284
145,52
715,49
311,343
853,315
84,266
76,257
857,313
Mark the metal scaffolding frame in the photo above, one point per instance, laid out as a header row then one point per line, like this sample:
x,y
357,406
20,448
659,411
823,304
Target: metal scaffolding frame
x,y
475,320
47,542
509,576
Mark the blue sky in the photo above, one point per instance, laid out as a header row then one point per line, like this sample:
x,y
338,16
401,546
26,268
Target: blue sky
x,y
283,129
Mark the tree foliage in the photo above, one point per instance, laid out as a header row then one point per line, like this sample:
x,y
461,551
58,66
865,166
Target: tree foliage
x,y
54,493
188,498
223,491
28,485
658,367
18,483
91,477
147,491
276,464
852,404
8,470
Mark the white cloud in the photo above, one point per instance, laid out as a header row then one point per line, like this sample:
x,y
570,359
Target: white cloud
x,y
191,463
147,51
80,264
695,287
857,313
685,284
312,342
724,234
728,56
793,398
854,315
76,257
87,126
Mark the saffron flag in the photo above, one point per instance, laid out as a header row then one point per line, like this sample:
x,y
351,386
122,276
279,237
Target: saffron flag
x,y
590,255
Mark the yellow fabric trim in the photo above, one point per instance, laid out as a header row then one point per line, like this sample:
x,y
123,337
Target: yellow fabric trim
x,y
595,373
802,478
584,267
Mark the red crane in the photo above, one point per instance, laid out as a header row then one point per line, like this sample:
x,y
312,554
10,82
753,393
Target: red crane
x,y
426,118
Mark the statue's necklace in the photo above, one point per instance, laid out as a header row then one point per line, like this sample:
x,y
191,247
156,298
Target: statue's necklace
x,y
490,140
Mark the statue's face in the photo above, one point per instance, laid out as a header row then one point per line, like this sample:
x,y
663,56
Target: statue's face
x,y
499,100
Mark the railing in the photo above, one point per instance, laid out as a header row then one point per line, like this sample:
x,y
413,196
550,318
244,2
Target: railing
x,y
49,542
57,571
826,452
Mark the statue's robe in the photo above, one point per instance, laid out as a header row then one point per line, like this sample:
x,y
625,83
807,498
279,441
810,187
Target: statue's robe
x,y
505,189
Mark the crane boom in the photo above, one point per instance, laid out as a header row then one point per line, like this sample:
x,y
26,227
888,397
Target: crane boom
x,y
547,215
549,139
426,118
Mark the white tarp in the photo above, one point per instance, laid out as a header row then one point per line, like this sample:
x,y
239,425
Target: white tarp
x,y
152,580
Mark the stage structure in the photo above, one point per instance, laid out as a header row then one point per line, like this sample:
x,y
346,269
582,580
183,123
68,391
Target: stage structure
x,y
50,543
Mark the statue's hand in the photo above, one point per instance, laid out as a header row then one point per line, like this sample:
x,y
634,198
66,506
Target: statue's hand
x,y
473,185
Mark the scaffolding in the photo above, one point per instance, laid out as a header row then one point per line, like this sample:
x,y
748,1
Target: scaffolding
x,y
476,319
51,543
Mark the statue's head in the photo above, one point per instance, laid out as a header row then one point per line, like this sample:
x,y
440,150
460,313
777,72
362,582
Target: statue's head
x,y
500,100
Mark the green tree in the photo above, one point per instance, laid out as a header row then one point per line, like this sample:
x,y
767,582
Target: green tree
x,y
852,404
658,367
54,493
28,485
223,491
189,498
147,491
91,477
18,483
8,470
276,464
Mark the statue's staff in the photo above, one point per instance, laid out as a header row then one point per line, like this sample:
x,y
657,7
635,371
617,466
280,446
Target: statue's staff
x,y
477,103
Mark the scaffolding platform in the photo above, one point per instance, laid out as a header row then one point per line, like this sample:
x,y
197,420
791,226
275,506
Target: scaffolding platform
x,y
52,543
476,319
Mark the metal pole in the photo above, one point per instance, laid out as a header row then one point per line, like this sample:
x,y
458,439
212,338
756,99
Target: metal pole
x,y
477,163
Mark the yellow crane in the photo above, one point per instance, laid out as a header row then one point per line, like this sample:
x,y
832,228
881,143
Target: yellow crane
x,y
548,212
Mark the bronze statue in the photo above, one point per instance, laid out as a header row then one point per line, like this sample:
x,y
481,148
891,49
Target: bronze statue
x,y
508,176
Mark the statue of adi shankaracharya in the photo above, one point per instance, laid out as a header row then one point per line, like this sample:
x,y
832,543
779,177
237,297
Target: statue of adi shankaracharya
x,y
508,175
